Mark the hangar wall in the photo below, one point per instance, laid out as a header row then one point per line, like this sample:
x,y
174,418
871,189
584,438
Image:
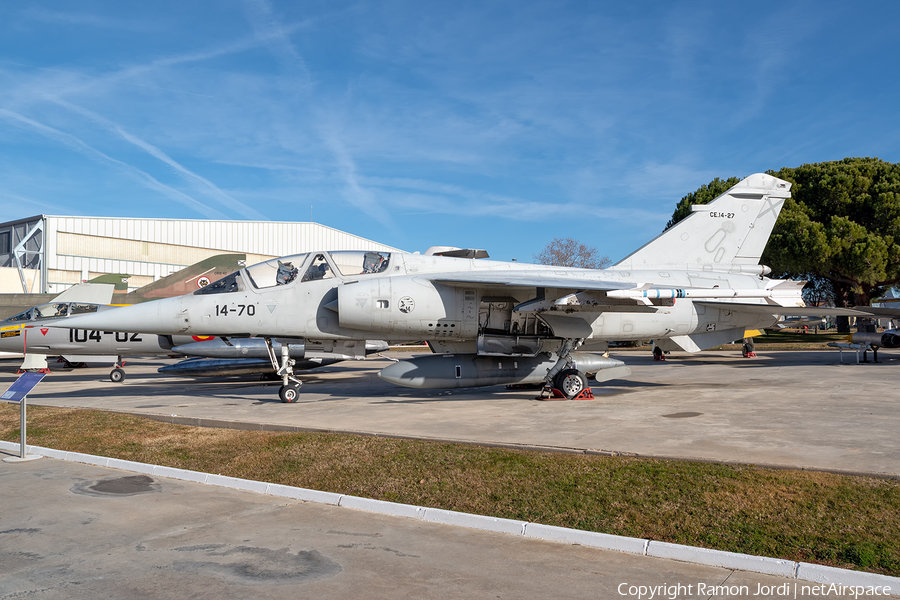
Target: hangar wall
x,y
69,249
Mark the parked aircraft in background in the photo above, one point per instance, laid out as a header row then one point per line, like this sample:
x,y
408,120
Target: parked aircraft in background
x,y
889,338
697,285
241,356
182,282
185,281
85,298
100,289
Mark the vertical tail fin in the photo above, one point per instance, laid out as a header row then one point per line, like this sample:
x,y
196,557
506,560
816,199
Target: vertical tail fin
x,y
733,229
189,279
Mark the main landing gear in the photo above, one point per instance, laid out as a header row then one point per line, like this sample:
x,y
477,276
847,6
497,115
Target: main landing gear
x,y
564,380
570,382
284,369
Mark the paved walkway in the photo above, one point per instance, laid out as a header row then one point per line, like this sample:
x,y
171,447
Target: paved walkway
x,y
78,531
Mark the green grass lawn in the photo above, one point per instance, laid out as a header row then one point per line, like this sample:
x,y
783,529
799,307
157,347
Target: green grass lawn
x,y
836,520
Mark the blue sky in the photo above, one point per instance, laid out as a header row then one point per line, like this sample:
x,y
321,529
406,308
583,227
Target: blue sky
x,y
496,125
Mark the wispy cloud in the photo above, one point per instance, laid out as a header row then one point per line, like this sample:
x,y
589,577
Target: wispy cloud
x,y
13,203
81,147
517,122
268,26
84,19
426,197
207,185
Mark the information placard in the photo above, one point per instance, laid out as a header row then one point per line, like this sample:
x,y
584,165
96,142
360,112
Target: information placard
x,y
20,388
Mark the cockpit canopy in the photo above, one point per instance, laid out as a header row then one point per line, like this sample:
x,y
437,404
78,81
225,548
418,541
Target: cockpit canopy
x,y
54,310
309,266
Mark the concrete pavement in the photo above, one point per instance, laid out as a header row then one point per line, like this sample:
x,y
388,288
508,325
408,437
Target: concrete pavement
x,y
74,530
789,409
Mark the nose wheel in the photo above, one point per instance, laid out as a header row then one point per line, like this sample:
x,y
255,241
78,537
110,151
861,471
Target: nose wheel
x,y
288,393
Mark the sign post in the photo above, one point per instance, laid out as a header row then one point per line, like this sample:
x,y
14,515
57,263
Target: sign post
x,y
18,392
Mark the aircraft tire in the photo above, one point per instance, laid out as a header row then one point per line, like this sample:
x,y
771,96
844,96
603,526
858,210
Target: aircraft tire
x,y
289,393
571,382
117,375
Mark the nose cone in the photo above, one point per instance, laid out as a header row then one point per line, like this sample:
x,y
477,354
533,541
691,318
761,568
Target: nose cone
x,y
164,317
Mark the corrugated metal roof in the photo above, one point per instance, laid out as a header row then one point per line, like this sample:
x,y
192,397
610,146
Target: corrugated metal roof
x,y
271,238
157,247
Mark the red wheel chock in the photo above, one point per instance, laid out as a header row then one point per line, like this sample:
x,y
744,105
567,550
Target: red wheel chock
x,y
555,394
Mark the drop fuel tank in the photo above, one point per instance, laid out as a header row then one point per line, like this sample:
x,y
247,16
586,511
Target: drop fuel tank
x,y
437,371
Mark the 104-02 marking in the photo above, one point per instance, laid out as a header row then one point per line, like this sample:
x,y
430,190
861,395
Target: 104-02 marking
x,y
223,310
83,335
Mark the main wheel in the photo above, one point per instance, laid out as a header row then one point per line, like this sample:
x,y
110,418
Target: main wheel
x,y
571,382
117,375
288,393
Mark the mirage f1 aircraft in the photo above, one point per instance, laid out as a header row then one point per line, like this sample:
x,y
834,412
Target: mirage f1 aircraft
x,y
697,285
43,330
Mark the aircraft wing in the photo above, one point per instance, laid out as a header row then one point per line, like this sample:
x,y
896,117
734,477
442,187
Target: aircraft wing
x,y
883,312
527,280
787,311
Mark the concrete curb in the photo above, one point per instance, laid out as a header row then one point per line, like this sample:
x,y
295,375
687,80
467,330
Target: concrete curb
x,y
728,560
593,539
717,558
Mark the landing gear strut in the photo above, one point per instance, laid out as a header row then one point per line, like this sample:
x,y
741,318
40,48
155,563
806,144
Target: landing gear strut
x,y
563,377
284,369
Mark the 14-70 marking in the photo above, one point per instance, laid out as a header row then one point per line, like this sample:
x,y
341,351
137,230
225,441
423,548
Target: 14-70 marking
x,y
223,310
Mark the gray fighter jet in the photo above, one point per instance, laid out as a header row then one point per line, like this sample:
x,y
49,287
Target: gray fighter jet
x,y
697,285
43,330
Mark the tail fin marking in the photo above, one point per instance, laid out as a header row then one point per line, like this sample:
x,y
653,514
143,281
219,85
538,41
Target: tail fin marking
x,y
733,229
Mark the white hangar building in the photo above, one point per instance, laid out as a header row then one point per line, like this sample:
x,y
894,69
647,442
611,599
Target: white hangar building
x,y
47,253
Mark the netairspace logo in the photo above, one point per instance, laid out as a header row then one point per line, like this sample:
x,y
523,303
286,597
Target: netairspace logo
x,y
784,590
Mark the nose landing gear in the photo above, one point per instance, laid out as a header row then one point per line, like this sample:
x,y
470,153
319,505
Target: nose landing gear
x,y
284,368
